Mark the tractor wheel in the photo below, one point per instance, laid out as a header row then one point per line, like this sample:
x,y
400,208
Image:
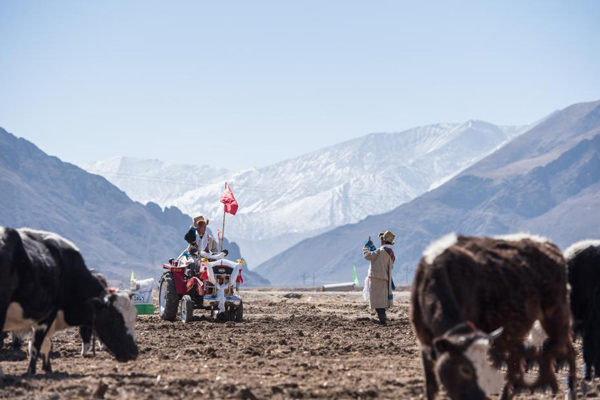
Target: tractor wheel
x,y
168,299
231,313
239,313
187,309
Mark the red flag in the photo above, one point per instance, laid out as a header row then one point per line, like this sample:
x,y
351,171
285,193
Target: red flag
x,y
231,205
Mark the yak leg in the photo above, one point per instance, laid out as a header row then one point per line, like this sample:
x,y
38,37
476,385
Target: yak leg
x,y
588,353
17,342
431,384
591,353
515,370
86,336
3,309
55,326
41,338
34,348
45,351
557,324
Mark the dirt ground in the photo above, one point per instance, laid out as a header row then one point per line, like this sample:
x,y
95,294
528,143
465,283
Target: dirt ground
x,y
320,345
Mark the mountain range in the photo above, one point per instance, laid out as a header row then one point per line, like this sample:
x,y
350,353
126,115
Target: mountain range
x,y
115,234
289,201
313,213
546,181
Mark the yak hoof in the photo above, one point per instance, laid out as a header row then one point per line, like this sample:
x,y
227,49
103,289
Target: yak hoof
x,y
47,368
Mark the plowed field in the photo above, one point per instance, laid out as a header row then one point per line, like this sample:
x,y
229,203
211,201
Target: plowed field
x,y
320,345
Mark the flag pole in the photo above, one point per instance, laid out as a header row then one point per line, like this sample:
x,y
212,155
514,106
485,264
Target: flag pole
x,y
223,230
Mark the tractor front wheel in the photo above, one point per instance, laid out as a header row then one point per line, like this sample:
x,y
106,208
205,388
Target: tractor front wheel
x,y
168,299
187,309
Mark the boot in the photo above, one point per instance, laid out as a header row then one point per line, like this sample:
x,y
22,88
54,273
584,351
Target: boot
x,y
381,315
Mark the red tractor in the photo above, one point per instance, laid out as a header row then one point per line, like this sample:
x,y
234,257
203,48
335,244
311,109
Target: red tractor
x,y
200,284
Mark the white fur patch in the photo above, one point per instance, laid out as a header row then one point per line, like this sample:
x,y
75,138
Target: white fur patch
x,y
515,237
536,335
49,236
21,334
124,305
489,379
437,248
85,347
577,247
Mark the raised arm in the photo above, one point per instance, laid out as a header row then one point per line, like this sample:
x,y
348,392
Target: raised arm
x,y
370,255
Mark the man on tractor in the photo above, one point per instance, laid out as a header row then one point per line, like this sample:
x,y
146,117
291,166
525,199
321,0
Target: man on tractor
x,y
202,243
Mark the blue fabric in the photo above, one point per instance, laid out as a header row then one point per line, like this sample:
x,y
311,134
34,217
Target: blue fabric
x,y
390,297
370,245
393,286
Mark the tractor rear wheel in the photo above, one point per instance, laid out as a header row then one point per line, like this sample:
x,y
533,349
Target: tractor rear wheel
x,y
187,309
168,299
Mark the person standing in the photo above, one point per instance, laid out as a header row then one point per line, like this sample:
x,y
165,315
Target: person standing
x,y
380,273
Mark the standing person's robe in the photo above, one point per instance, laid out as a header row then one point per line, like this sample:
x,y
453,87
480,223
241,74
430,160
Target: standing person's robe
x,y
380,276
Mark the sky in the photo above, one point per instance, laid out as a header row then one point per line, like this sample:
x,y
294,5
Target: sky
x,y
242,84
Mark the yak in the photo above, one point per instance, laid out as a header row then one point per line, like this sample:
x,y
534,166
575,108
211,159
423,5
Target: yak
x,y
474,301
45,285
583,263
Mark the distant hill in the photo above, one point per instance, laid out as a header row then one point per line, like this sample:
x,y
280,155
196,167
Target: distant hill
x,y
115,234
284,203
546,181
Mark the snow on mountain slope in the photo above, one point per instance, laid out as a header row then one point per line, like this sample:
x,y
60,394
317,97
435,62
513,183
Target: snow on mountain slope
x,y
287,202
153,180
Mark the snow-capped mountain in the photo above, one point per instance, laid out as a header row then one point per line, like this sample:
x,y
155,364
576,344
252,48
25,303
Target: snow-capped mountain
x,y
154,180
284,203
546,182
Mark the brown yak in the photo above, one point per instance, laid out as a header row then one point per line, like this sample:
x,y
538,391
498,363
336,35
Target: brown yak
x,y
477,298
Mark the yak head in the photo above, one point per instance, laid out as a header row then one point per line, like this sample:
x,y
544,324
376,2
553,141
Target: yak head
x,y
463,365
114,323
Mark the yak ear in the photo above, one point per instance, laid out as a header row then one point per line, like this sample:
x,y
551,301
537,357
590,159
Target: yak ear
x,y
443,345
495,334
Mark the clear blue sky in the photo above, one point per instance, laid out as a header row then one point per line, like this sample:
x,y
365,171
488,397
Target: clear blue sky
x,y
249,83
